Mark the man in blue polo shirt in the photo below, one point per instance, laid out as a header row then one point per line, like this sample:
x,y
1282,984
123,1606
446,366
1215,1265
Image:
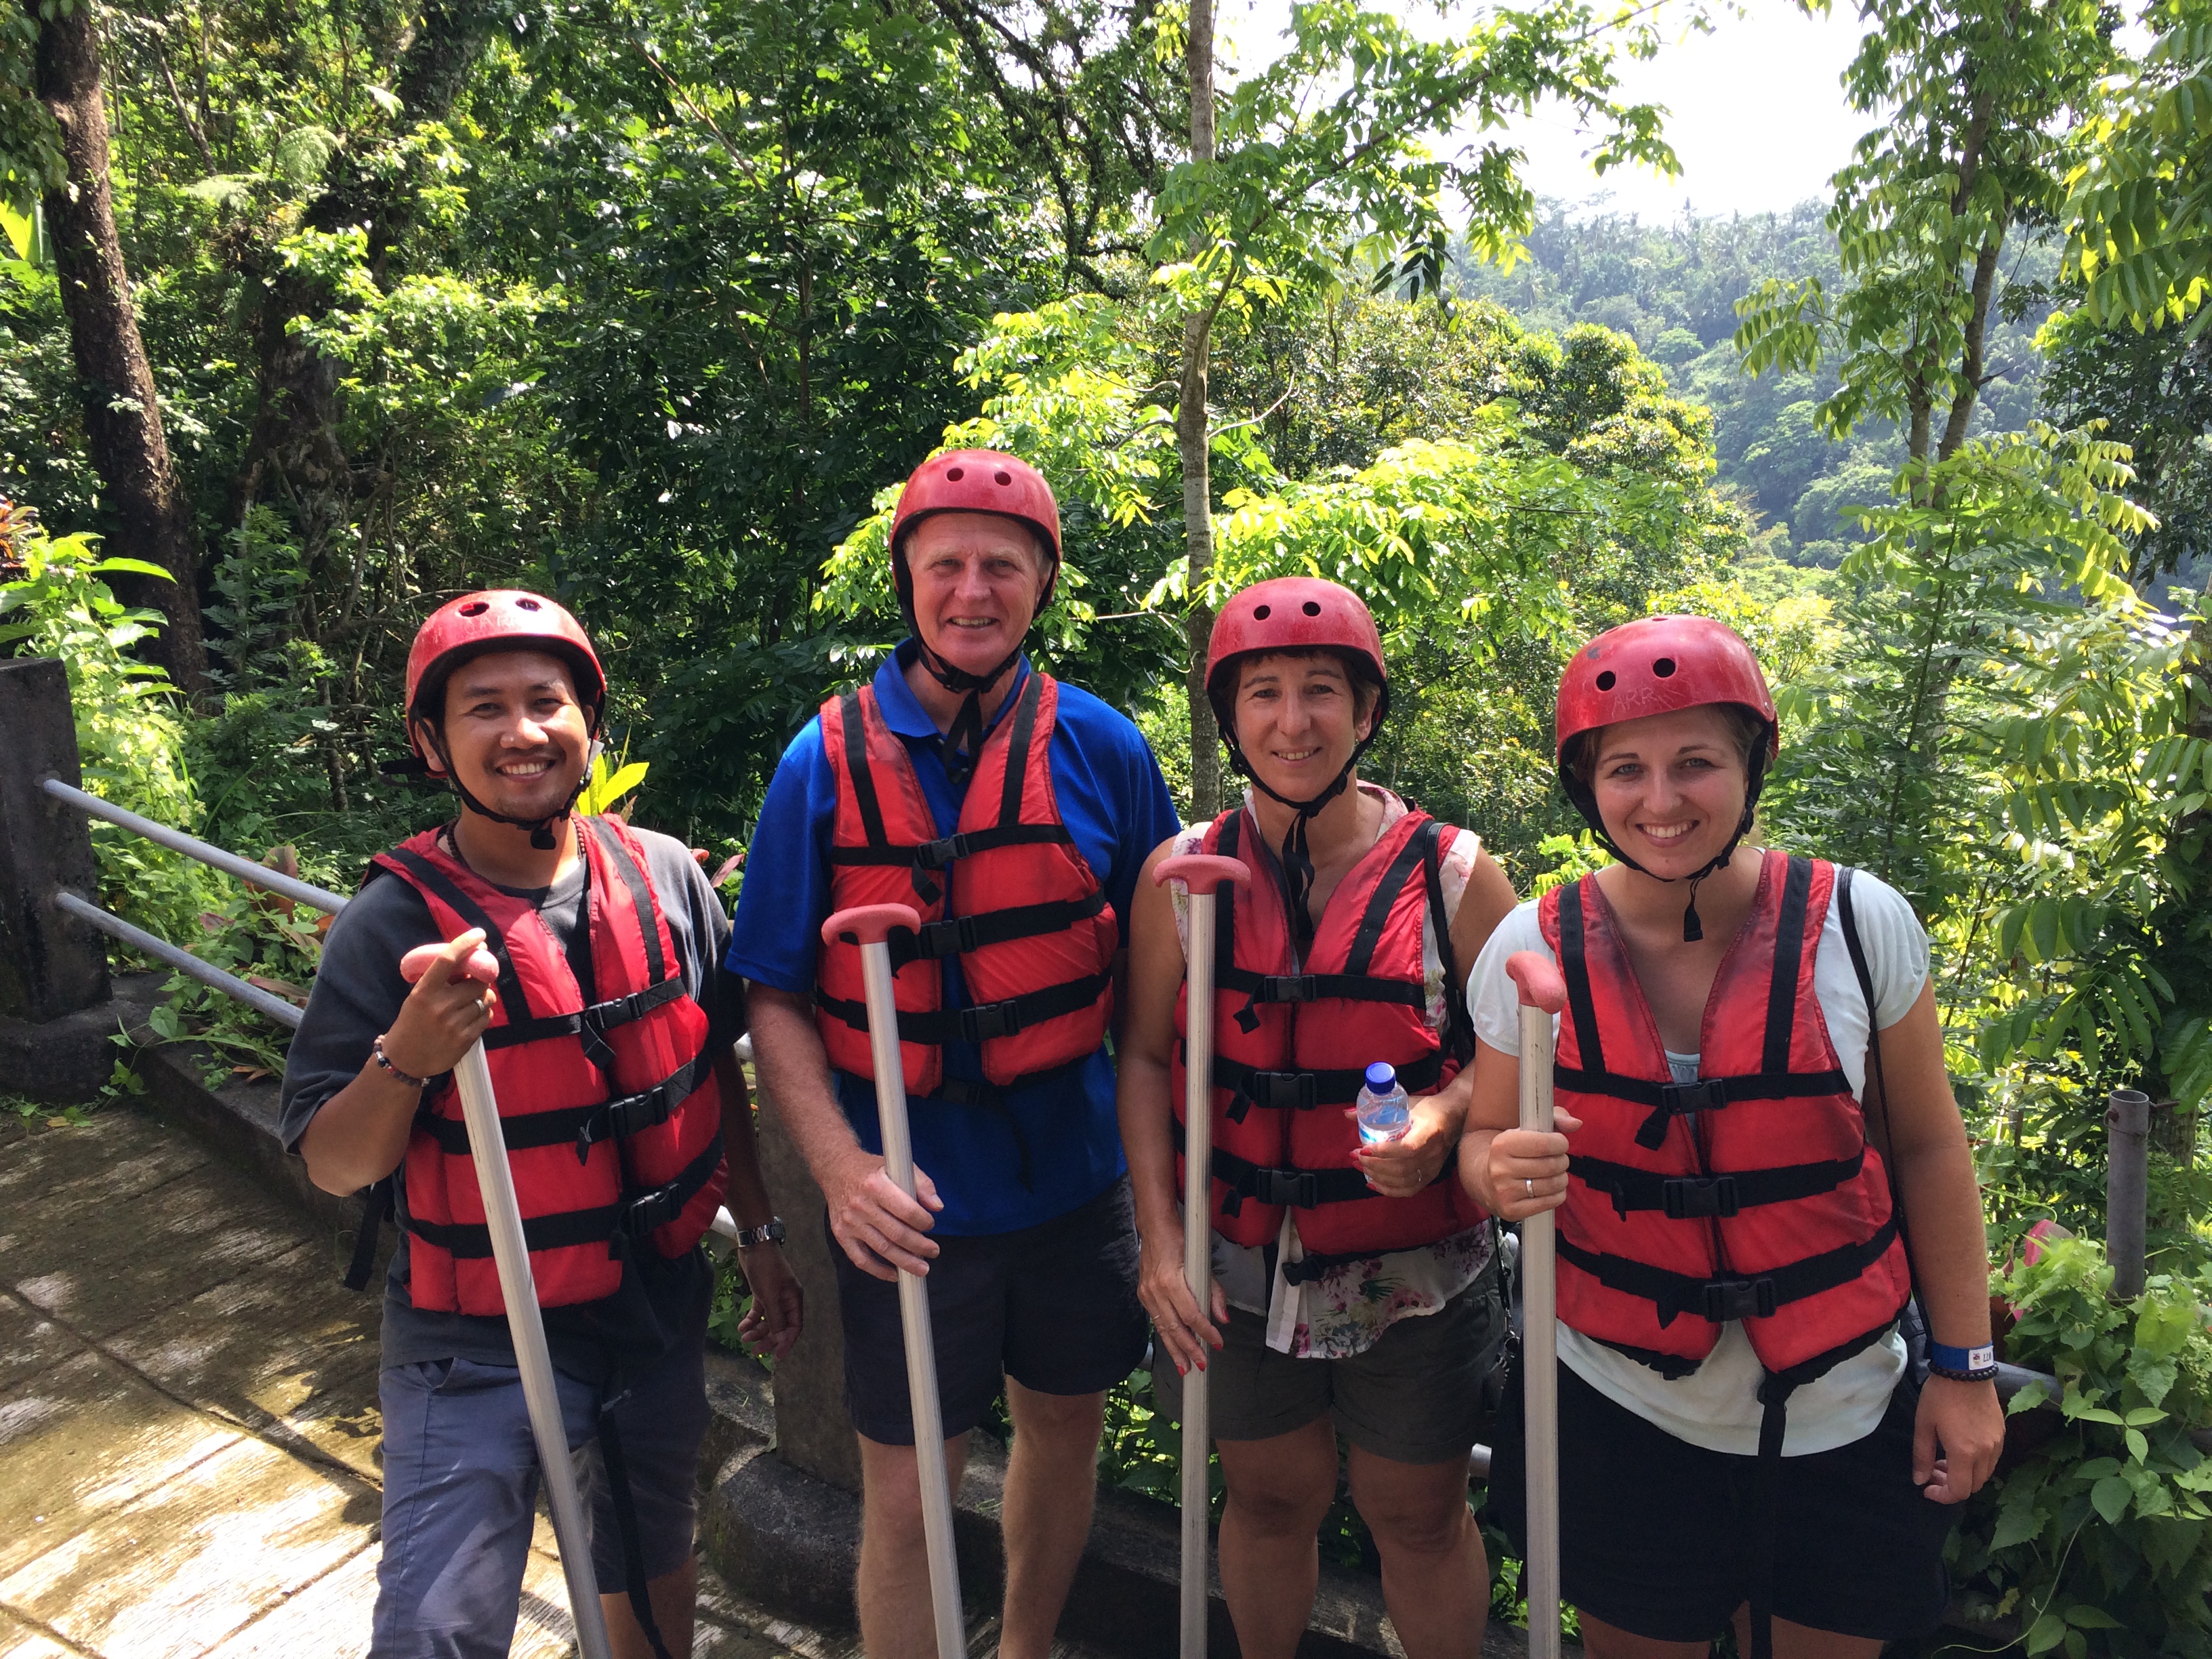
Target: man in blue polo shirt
x,y
1017,812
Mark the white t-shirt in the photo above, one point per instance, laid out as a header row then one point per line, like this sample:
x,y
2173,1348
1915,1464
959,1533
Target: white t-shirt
x,y
1716,1405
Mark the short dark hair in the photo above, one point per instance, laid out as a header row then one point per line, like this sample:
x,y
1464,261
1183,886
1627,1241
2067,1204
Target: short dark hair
x,y
1367,689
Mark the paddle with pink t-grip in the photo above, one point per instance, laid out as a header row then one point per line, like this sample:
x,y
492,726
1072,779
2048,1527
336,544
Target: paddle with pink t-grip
x,y
510,1251
1543,994
870,926
1203,876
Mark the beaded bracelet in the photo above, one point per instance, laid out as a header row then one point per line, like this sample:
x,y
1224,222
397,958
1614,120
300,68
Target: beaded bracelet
x,y
411,1081
1977,1365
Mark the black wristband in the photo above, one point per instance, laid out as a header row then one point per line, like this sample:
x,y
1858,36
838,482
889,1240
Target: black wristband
x,y
1981,1374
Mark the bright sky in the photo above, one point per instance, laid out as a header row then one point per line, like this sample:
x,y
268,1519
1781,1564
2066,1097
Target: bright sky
x,y
1755,110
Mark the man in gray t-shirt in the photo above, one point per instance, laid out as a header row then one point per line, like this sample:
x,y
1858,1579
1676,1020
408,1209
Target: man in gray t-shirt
x,y
620,1096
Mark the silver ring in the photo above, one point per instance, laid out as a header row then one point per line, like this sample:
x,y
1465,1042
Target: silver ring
x,y
1531,1186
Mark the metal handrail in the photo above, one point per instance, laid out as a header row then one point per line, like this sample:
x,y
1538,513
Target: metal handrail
x,y
258,875
261,1001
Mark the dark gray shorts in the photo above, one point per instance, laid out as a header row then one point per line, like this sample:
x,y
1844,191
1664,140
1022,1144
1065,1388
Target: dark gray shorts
x,y
460,1491
1417,1396
1052,1306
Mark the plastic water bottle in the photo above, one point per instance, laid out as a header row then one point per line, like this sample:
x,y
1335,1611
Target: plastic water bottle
x,y
1384,1112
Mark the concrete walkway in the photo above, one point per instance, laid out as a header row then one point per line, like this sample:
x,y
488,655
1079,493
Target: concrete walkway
x,y
188,1422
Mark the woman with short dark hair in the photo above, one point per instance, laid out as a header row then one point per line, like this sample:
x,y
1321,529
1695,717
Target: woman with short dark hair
x,y
1354,1285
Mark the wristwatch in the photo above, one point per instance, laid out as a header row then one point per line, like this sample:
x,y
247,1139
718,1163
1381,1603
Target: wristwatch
x,y
772,1233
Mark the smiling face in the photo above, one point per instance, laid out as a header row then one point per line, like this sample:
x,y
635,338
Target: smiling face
x,y
977,578
515,733
1671,788
1298,719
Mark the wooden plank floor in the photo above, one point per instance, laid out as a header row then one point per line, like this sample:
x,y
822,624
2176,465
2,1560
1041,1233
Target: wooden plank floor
x,y
188,1422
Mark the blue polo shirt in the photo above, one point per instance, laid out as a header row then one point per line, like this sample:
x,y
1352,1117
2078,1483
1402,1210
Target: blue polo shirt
x,y
1115,804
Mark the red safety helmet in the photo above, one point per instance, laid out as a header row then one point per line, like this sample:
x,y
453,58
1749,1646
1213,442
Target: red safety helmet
x,y
1655,665
498,619
1289,613
975,481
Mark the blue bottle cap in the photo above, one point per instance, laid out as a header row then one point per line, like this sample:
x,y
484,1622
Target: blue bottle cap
x,y
1381,1077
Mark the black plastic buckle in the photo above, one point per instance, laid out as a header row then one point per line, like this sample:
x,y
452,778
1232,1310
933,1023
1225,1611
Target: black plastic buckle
x,y
629,1116
1690,1197
1288,987
990,1019
1705,1094
642,1218
1739,1298
948,938
1299,1188
1282,1091
936,854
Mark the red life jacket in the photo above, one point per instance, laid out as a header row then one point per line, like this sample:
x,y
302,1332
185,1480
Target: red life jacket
x,y
1008,894
1292,1041
1768,1206
611,1113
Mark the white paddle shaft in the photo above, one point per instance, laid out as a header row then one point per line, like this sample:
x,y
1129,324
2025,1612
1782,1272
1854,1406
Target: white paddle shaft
x,y
1539,1352
1197,1259
511,1252
914,1310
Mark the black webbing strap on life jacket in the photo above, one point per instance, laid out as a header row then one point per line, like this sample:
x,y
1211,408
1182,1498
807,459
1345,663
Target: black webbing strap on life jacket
x,y
617,1224
1300,1189
583,1126
512,1002
635,1585
1354,983
1774,1080
957,935
936,854
977,1023
376,1208
1774,1388
1459,1025
1303,1092
1685,1197
1722,1299
595,1021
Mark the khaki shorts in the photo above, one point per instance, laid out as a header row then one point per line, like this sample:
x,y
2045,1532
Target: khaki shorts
x,y
1417,1396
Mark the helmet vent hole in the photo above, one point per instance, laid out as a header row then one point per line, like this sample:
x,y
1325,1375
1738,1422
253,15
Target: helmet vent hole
x,y
1664,667
526,604
475,608
954,475
1004,478
1261,612
1604,681
1311,608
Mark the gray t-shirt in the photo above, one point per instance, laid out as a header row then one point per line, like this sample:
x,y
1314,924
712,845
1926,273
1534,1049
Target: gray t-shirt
x,y
357,996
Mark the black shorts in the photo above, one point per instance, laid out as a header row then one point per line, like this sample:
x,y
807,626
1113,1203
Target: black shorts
x,y
1052,1306
1659,1538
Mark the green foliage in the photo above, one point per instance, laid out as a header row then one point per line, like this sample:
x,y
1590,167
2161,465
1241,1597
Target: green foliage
x,y
2139,210
1972,95
129,730
2100,1541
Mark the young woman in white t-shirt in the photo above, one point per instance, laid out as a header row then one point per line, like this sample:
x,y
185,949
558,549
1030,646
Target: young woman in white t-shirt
x,y
1742,1438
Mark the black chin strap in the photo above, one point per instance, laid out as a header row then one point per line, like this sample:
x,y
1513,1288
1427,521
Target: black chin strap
x,y
1296,856
965,741
541,830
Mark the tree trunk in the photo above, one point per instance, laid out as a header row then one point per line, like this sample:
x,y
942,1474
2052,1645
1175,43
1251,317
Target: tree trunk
x,y
122,413
1192,439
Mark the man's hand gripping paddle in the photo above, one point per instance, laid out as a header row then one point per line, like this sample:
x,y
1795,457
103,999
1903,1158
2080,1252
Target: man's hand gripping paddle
x,y
1543,994
870,926
480,1112
1203,876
